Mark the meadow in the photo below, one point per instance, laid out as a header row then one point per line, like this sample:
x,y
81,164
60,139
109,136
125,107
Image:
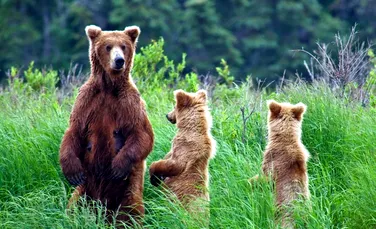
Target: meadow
x,y
338,131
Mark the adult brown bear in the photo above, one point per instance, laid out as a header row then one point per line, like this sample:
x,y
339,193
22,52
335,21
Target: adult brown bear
x,y
109,136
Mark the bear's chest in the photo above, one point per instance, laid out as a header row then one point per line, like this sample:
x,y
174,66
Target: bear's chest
x,y
108,123
109,112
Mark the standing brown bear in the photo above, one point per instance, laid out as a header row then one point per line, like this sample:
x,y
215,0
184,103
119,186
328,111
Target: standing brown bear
x,y
184,169
285,157
103,151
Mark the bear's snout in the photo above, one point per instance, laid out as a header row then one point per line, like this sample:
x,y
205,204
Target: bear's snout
x,y
119,62
173,121
117,58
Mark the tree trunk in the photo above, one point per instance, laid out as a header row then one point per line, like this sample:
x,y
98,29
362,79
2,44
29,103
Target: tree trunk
x,y
46,34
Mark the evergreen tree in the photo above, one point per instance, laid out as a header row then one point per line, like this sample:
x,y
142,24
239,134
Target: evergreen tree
x,y
254,37
19,36
205,39
155,18
268,30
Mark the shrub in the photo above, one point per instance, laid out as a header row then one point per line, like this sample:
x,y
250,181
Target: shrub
x,y
153,70
345,66
33,80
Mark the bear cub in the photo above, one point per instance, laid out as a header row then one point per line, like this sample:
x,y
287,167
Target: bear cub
x,y
285,157
184,170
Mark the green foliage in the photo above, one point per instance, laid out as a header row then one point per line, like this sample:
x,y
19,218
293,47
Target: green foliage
x,y
14,80
371,80
156,72
253,36
224,73
189,83
39,81
225,88
36,80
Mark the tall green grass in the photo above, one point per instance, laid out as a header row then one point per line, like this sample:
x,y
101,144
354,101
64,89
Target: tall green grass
x,y
339,133
340,136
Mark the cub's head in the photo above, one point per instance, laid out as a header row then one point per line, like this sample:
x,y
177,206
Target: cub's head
x,y
112,50
188,106
285,117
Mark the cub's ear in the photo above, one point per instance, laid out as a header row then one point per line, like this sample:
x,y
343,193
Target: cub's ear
x,y
182,98
201,96
133,32
298,110
92,31
274,108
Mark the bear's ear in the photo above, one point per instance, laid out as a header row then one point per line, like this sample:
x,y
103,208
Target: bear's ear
x,y
182,98
133,32
92,31
201,96
274,108
298,110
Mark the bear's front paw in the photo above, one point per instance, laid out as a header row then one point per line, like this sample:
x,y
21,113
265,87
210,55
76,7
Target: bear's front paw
x,y
73,171
76,179
120,169
156,180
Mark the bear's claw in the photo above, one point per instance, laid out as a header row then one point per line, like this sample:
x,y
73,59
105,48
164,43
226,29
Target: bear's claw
x,y
120,169
76,179
156,180
119,174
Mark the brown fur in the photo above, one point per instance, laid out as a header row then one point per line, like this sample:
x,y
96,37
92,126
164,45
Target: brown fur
x,y
109,136
285,157
185,168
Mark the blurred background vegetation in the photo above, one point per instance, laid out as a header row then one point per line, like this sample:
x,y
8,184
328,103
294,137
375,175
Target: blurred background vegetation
x,y
254,37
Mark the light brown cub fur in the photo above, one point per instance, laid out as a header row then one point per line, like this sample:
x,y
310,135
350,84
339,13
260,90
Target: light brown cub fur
x,y
285,157
184,169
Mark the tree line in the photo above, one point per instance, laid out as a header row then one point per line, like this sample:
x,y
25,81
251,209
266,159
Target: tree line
x,y
254,37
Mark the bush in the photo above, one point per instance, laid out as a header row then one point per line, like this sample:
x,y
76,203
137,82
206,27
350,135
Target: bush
x,y
33,80
344,66
153,71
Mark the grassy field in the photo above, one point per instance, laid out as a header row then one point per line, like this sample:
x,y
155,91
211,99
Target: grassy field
x,y
339,133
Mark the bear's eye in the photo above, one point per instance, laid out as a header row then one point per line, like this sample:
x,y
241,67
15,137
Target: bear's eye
x,y
122,47
108,48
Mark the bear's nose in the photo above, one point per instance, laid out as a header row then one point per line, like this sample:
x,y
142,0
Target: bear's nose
x,y
119,62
